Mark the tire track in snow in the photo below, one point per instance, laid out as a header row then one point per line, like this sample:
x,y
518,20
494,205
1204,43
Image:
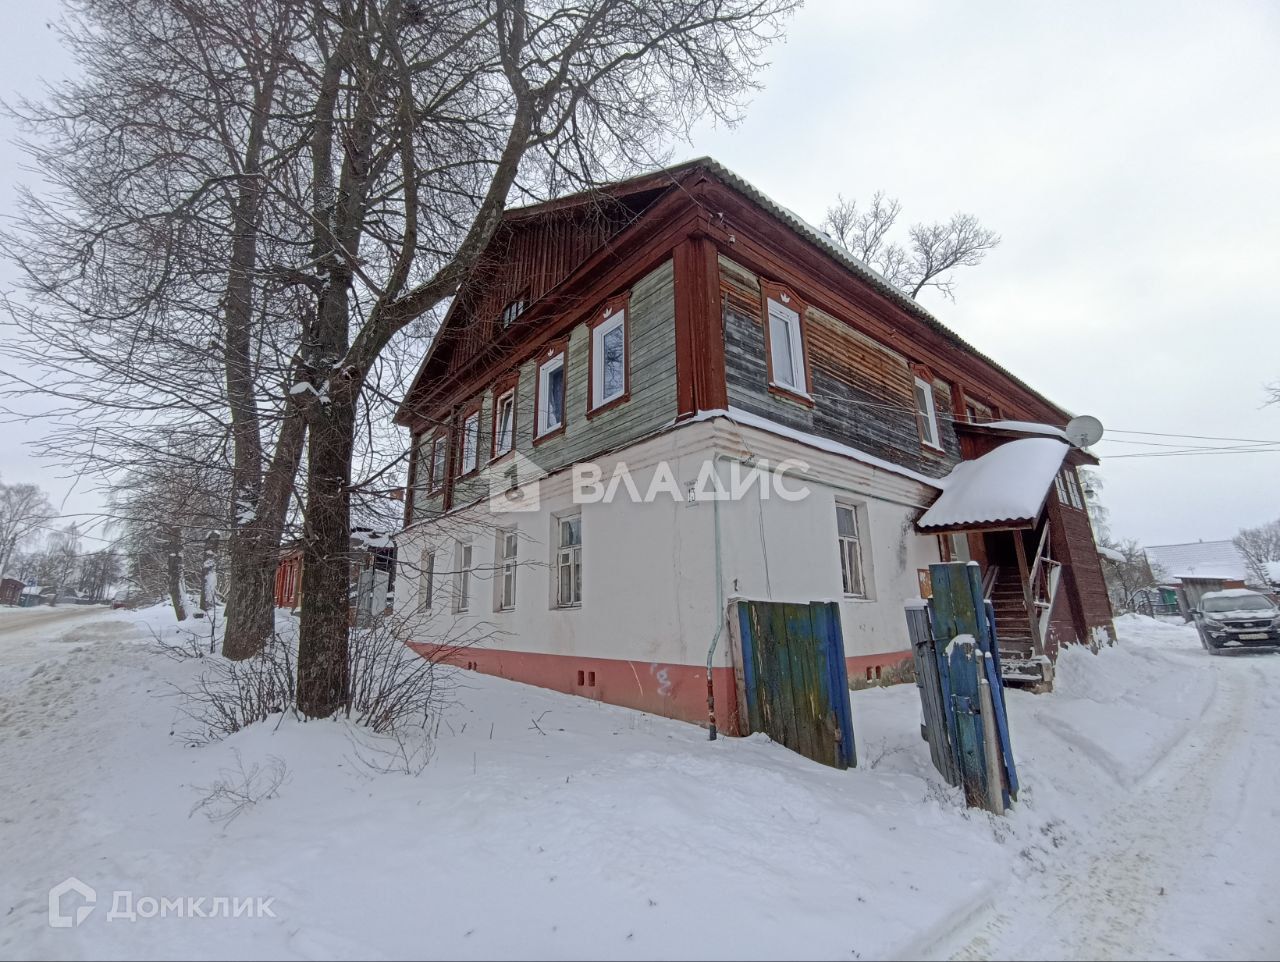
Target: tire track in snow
x,y
1102,904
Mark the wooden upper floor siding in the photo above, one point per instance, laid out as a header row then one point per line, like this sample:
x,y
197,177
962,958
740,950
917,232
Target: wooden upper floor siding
x,y
719,240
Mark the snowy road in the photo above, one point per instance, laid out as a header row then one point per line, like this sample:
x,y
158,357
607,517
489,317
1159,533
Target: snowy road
x,y
14,621
1185,867
1145,828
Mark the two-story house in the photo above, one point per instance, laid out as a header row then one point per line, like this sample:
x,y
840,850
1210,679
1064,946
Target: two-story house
x,y
680,334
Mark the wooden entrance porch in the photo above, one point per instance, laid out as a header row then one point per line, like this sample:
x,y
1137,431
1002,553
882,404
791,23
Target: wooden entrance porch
x,y
1022,580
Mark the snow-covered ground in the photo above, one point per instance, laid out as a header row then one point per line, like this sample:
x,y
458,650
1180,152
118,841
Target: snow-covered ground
x,y
547,826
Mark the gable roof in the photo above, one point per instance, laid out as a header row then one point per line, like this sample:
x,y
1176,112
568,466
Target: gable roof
x,y
672,177
1199,559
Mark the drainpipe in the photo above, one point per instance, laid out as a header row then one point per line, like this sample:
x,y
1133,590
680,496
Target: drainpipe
x,y
720,615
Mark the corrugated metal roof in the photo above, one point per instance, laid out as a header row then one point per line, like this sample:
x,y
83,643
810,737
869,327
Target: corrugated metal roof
x,y
1198,559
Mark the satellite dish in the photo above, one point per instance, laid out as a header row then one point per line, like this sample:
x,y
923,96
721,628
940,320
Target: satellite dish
x,y
1083,431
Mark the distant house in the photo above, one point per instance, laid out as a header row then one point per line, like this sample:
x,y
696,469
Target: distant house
x,y
37,595
1194,569
683,330
10,591
373,568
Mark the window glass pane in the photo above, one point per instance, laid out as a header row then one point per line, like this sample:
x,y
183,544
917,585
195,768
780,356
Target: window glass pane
x,y
613,366
470,443
570,531
847,522
506,410
553,395
780,342
924,405
426,586
566,583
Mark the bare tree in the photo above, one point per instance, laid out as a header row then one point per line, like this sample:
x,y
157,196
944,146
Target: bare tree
x,y
929,257
24,512
150,260
267,198
165,514
1260,547
453,106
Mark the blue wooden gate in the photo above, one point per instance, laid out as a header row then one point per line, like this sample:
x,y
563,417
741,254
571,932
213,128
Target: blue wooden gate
x,y
794,683
962,694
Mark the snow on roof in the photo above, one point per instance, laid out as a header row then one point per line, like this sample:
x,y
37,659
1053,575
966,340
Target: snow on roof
x,y
1214,560
1008,483
747,419
1028,427
1230,593
1110,553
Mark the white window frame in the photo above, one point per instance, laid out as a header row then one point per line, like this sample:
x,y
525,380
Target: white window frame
x,y
1061,486
568,557
439,462
507,399
1072,480
545,369
465,556
426,580
929,413
470,459
617,322
852,554
789,320
505,556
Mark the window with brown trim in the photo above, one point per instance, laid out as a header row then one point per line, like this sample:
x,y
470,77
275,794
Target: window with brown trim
x,y
609,362
436,466
504,419
784,343
469,444
927,414
550,393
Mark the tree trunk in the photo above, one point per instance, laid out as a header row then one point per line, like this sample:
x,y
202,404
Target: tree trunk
x,y
209,573
326,560
254,551
177,590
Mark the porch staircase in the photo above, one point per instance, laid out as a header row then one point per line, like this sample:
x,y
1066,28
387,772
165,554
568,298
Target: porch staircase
x,y
1012,626
1022,662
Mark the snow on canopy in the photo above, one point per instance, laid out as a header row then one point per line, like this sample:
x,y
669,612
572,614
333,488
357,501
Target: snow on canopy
x,y
1028,427
1110,553
1008,483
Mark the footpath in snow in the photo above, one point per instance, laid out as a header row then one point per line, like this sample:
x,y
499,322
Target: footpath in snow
x,y
547,826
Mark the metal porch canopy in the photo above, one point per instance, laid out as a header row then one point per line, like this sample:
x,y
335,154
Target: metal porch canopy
x,y
1003,489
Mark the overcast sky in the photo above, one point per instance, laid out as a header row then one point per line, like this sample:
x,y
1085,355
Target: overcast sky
x,y
1128,154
